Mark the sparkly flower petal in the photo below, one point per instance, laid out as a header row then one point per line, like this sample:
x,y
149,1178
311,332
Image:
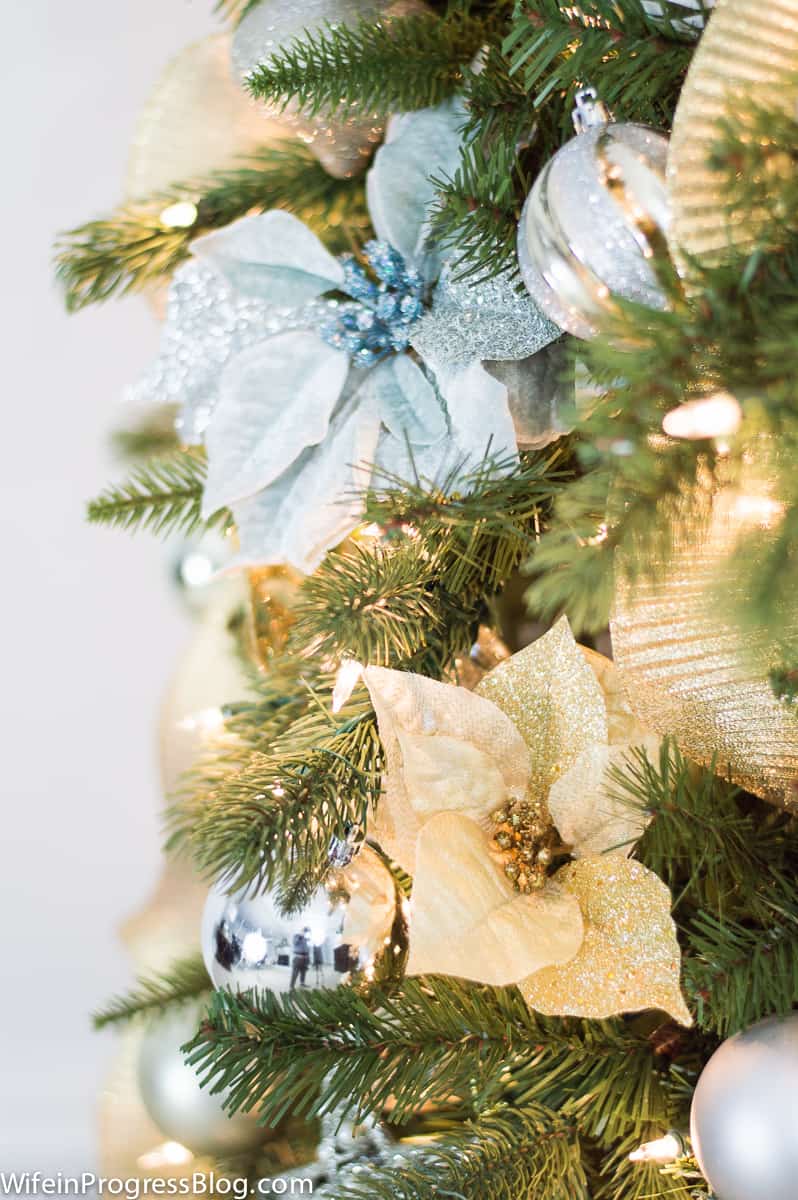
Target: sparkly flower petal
x,y
207,325
479,415
276,399
485,320
273,256
418,146
466,919
315,504
623,727
554,700
581,805
629,958
408,404
446,749
372,905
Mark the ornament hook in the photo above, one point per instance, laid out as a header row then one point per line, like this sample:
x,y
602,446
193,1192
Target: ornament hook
x,y
589,111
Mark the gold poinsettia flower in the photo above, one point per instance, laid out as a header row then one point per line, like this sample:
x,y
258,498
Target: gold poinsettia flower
x,y
484,792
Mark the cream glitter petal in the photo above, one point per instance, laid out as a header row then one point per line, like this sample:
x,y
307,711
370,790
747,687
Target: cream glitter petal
x,y
371,908
552,696
586,815
629,959
466,919
623,727
446,749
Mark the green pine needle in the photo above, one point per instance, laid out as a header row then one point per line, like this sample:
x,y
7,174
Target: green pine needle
x,y
372,68
508,1153
358,1050
133,247
153,995
164,495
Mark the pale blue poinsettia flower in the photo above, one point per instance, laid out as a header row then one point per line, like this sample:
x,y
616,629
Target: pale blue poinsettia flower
x,y
300,395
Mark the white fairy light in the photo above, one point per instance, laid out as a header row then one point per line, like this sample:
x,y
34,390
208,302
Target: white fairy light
x,y
206,720
663,1150
169,1154
757,509
347,677
196,569
180,215
715,416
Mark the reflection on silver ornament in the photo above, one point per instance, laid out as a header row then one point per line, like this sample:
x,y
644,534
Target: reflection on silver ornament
x,y
171,1093
341,141
744,1119
595,217
686,16
249,942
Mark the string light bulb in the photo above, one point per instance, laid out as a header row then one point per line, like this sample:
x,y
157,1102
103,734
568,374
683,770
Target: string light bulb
x,y
346,679
715,416
663,1150
180,215
168,1154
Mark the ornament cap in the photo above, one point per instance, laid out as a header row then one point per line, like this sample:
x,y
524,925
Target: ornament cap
x,y
589,111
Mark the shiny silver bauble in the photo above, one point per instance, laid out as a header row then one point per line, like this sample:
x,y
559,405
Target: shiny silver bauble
x,y
171,1093
342,141
595,216
744,1119
249,942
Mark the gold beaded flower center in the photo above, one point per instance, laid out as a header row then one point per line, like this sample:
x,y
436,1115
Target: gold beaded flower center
x,y
525,834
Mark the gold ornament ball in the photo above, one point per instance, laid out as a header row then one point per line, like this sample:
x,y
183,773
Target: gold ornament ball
x,y
690,672
196,121
342,141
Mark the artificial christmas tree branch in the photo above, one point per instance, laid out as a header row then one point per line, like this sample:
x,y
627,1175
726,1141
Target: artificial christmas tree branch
x,y
154,435
424,1041
152,995
164,496
274,817
138,245
640,61
740,973
508,1153
404,64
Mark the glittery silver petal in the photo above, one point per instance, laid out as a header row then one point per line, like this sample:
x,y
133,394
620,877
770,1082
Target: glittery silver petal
x,y
470,321
207,324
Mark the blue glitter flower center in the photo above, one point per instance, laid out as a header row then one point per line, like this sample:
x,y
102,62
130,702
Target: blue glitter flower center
x,y
383,313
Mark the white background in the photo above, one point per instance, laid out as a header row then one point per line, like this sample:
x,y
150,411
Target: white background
x,y
89,621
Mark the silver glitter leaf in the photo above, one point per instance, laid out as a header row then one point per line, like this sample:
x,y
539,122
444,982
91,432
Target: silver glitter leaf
x,y
488,320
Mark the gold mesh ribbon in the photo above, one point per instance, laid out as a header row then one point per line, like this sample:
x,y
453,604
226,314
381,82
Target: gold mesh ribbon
x,y
690,673
750,47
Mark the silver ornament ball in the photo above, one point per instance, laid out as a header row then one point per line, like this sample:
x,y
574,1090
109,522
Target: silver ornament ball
x,y
171,1093
589,225
341,141
247,942
744,1118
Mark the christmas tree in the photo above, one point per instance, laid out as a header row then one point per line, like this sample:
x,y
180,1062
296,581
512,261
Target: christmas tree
x,y
478,359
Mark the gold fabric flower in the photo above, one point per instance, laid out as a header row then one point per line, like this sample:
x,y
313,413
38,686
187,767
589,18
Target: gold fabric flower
x,y
483,791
